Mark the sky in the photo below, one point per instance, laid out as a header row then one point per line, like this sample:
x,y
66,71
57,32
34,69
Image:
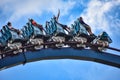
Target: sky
x,y
101,15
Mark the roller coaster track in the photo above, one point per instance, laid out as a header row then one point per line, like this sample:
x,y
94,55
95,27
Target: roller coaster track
x,y
61,53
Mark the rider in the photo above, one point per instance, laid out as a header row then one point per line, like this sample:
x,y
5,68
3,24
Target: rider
x,y
36,24
63,26
87,27
9,24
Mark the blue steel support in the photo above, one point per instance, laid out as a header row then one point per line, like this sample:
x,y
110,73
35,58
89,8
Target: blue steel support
x,y
63,53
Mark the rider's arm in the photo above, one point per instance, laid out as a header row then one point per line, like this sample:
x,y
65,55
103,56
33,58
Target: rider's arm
x,y
58,14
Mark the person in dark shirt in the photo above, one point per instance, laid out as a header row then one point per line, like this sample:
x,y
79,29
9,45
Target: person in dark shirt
x,y
87,27
9,24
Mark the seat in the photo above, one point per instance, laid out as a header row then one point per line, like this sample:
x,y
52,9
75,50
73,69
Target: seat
x,y
105,37
13,36
54,28
3,42
78,29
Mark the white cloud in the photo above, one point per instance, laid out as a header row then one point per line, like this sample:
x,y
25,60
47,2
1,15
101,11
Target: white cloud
x,y
97,12
22,8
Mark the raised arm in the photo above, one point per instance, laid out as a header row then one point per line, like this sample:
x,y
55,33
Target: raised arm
x,y
58,14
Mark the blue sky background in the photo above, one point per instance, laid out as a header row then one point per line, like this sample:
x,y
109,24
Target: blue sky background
x,y
101,15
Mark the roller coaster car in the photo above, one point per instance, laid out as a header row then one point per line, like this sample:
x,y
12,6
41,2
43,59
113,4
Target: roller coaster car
x,y
103,40
80,35
36,37
57,33
14,41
